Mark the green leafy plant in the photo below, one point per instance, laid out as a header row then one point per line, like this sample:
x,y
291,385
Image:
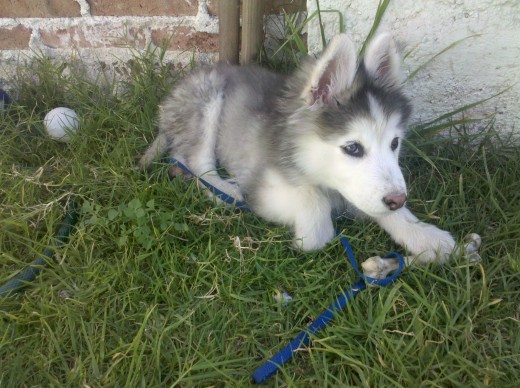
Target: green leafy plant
x,y
133,222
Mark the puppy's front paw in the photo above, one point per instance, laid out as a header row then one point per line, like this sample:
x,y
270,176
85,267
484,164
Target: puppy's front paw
x,y
429,243
446,247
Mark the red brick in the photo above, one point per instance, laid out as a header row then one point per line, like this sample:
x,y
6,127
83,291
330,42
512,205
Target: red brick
x,y
94,37
16,38
39,9
185,39
270,6
143,8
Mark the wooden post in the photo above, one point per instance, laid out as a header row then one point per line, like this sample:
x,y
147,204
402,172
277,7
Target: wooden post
x,y
252,30
229,29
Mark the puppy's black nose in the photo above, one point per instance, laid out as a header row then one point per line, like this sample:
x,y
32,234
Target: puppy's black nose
x,y
394,201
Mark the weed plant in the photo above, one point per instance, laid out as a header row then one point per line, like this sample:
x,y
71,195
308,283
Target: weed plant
x,y
159,286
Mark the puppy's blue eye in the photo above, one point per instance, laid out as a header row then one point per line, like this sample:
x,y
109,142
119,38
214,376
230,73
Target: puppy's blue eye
x,y
394,144
353,149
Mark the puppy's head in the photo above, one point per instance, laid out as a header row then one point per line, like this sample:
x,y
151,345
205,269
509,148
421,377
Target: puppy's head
x,y
352,120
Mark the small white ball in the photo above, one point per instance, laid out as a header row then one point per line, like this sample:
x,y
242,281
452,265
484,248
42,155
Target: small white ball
x,y
60,123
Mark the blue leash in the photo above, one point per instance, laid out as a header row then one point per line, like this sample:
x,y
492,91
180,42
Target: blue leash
x,y
272,366
217,192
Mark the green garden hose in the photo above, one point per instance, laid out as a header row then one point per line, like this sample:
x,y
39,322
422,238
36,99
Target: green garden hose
x,y
30,273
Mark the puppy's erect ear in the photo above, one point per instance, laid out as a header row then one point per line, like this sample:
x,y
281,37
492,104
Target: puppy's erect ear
x,y
382,61
333,72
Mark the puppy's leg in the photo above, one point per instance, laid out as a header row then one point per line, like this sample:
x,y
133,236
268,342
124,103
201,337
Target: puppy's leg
x,y
202,161
379,268
156,149
313,227
427,242
305,209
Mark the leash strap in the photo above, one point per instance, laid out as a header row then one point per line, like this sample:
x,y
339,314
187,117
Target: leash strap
x,y
217,192
272,366
27,275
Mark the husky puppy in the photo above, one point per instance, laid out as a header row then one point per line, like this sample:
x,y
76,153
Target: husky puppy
x,y
302,147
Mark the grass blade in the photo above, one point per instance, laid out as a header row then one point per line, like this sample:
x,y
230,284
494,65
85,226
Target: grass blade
x,y
447,48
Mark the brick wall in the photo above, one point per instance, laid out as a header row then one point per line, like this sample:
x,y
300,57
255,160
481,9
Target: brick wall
x,y
106,30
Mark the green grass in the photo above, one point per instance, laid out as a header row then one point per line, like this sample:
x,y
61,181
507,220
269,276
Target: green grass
x,y
158,286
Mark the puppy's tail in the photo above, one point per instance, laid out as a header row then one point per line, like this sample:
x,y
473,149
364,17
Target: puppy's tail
x,y
156,149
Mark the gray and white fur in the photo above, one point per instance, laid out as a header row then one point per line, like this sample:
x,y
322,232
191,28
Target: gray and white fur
x,y
302,147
